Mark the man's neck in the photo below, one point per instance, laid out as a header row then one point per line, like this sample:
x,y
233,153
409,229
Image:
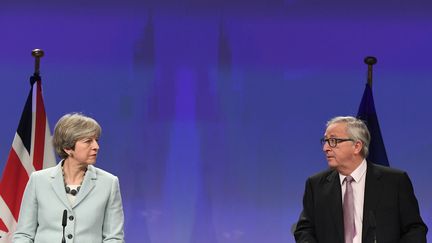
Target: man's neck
x,y
348,170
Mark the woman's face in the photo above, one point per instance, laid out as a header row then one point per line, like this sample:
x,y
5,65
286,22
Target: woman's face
x,y
85,151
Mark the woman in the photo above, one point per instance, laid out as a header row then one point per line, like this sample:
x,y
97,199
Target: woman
x,y
90,196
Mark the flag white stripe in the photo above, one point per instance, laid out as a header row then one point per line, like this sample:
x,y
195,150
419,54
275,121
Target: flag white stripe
x,y
22,153
49,159
33,128
9,221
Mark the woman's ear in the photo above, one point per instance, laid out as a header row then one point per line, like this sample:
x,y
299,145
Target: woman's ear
x,y
68,151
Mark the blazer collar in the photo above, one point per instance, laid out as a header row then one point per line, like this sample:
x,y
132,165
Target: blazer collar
x,y
57,185
87,186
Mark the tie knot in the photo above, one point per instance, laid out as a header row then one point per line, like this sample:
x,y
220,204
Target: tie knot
x,y
349,179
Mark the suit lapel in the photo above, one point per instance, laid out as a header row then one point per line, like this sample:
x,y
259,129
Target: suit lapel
x,y
333,188
57,185
373,189
87,185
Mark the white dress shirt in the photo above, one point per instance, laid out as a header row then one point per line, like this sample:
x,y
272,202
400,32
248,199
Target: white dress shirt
x,y
358,186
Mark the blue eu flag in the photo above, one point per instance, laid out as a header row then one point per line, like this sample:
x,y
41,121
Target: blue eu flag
x,y
367,113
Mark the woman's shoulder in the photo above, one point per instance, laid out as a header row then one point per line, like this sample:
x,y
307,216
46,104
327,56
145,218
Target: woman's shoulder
x,y
45,172
45,175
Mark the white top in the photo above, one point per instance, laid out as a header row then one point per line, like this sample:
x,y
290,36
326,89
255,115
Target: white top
x,y
358,186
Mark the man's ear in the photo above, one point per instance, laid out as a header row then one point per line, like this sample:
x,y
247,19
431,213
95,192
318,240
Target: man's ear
x,y
358,146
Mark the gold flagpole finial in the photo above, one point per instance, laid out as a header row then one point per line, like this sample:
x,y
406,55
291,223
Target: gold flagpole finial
x,y
37,54
370,61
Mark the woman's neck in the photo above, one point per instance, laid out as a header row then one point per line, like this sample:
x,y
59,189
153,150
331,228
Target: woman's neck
x,y
73,173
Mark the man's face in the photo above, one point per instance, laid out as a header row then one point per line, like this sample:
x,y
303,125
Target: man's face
x,y
341,156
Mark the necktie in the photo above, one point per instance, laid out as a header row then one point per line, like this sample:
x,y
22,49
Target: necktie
x,y
348,211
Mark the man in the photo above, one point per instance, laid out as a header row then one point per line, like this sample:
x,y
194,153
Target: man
x,y
356,201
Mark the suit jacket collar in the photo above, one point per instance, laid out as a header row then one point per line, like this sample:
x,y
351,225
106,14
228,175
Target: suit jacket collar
x,y
333,188
57,184
373,188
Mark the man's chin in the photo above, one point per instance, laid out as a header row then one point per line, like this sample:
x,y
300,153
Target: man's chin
x,y
331,163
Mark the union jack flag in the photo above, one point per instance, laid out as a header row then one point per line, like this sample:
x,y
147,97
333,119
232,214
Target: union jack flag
x,y
31,150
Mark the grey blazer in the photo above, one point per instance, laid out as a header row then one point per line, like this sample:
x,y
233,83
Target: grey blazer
x,y
96,216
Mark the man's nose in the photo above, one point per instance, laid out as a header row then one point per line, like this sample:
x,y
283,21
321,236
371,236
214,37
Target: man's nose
x,y
326,147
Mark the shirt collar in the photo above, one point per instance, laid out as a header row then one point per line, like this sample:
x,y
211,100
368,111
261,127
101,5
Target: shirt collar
x,y
357,174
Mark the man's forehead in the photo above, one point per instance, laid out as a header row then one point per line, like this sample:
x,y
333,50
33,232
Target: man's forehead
x,y
336,129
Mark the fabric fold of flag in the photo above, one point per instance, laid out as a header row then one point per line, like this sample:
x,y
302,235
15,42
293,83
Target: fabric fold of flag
x,y
367,113
31,150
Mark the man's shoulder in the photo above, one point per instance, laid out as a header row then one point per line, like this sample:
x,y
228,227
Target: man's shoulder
x,y
328,174
390,176
384,170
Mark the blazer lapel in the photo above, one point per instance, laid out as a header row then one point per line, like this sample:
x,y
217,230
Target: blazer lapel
x,y
57,185
87,185
373,189
333,188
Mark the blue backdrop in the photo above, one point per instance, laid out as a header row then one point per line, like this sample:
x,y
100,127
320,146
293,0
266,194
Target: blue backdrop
x,y
212,111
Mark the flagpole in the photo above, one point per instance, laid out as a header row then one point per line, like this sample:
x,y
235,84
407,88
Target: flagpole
x,y
370,61
37,54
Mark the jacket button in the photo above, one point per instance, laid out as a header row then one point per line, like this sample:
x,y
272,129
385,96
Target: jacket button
x,y
71,218
70,236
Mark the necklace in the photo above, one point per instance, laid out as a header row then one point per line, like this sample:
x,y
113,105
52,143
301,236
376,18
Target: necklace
x,y
73,192
68,190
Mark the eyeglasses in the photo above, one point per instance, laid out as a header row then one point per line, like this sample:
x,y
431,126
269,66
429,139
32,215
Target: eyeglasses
x,y
333,142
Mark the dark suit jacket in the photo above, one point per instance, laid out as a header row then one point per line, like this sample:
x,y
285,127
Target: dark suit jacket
x,y
389,198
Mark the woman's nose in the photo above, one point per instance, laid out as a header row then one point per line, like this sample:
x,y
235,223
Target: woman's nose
x,y
95,145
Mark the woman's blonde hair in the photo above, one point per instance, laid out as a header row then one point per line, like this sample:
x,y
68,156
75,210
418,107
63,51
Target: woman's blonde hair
x,y
73,127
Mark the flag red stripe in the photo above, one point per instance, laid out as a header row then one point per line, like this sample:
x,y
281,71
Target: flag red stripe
x,y
13,183
39,142
3,226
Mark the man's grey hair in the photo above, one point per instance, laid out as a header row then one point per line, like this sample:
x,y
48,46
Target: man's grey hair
x,y
356,129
